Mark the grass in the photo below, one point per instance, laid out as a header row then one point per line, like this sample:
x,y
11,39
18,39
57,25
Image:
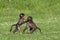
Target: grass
x,y
45,13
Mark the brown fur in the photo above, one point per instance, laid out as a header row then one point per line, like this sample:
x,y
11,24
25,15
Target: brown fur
x,y
18,24
30,24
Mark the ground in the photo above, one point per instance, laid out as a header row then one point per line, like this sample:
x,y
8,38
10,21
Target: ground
x,y
45,13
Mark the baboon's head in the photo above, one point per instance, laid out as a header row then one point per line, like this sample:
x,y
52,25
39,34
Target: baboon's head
x,y
21,15
29,18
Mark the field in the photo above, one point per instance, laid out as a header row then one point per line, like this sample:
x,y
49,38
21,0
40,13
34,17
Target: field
x,y
45,13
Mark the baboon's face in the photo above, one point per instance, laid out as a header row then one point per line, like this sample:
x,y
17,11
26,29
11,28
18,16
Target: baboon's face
x,y
29,18
21,15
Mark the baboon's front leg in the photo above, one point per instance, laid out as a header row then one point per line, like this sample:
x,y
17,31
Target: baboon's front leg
x,y
24,29
14,30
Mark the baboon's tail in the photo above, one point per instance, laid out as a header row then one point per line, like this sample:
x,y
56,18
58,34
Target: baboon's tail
x,y
39,29
12,27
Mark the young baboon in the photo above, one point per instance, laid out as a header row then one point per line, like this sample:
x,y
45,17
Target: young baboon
x,y
19,23
30,24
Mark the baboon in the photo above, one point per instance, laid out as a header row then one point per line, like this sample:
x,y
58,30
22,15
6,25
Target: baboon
x,y
30,24
19,23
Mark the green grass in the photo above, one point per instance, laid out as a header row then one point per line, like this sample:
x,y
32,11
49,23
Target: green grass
x,y
45,13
